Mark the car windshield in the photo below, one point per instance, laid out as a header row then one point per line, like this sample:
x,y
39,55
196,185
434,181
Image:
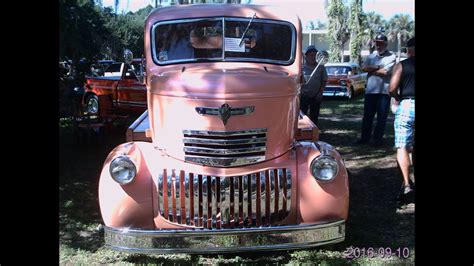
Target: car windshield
x,y
209,40
337,70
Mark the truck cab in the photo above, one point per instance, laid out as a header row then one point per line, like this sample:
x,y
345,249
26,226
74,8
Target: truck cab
x,y
223,160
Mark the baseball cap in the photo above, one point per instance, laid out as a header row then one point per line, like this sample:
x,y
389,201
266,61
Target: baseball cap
x,y
381,37
311,48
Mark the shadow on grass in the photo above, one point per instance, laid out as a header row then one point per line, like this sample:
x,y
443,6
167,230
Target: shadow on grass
x,y
341,106
373,219
342,136
80,166
253,258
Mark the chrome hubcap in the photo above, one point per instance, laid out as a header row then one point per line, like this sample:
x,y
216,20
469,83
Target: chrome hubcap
x,y
92,106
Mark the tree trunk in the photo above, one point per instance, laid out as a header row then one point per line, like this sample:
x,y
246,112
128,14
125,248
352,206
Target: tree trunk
x,y
342,53
359,23
399,44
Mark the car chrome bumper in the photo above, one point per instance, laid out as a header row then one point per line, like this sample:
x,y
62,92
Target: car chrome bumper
x,y
336,91
204,241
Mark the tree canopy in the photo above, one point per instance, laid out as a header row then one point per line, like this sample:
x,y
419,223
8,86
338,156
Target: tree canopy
x,y
351,23
87,30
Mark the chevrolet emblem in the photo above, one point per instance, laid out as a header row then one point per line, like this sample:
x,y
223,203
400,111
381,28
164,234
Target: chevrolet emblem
x,y
225,111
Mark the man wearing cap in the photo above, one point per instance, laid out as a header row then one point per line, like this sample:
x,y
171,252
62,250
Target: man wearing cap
x,y
312,91
379,65
402,88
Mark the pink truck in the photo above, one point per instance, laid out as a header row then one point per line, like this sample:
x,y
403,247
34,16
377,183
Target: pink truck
x,y
223,160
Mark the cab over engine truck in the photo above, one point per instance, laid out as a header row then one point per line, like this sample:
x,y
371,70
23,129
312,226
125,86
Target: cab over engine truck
x,y
223,160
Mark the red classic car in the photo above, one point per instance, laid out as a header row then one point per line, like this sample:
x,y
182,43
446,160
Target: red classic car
x,y
121,87
223,160
344,80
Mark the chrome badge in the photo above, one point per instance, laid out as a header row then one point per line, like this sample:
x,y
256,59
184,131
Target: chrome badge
x,y
225,111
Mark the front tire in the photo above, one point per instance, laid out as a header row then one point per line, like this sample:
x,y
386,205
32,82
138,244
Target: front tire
x,y
92,104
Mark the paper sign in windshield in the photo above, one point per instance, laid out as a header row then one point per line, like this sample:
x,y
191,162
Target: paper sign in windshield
x,y
232,45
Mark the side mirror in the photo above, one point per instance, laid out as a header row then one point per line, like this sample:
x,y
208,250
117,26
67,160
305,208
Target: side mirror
x,y
322,57
127,56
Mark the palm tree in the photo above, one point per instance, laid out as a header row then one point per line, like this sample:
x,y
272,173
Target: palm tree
x,y
371,23
355,24
400,27
338,30
116,4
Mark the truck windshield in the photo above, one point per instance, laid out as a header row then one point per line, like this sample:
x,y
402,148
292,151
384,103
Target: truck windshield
x,y
219,39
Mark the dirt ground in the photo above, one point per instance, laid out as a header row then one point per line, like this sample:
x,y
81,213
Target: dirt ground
x,y
374,220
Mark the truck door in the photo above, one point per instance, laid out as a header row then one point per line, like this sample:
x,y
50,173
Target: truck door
x,y
112,77
131,93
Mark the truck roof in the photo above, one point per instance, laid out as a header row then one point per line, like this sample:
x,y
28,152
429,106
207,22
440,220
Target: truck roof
x,y
228,10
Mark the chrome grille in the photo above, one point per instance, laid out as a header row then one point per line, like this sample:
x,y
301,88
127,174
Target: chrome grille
x,y
215,202
225,148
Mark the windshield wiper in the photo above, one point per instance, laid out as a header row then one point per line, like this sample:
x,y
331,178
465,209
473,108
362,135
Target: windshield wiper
x,y
246,29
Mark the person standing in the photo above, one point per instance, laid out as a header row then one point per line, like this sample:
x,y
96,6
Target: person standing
x,y
379,65
312,91
402,88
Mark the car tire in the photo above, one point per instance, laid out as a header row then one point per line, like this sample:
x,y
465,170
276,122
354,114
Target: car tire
x,y
92,104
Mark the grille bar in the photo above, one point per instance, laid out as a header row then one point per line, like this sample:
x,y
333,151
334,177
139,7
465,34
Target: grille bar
x,y
209,202
225,148
267,197
248,199
277,190
258,210
224,142
183,196
201,212
241,201
191,199
248,132
229,151
285,195
216,202
174,194
224,162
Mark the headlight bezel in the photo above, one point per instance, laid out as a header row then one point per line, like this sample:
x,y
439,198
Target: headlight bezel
x,y
322,159
122,159
343,82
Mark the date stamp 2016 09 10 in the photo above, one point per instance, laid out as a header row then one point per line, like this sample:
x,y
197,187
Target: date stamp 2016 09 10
x,y
382,252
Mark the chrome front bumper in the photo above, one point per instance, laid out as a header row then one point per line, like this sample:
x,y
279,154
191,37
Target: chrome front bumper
x,y
208,241
335,91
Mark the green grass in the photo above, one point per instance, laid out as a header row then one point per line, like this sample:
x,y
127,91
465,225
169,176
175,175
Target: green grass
x,y
373,218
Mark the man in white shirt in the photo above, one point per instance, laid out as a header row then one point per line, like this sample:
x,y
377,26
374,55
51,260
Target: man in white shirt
x,y
379,66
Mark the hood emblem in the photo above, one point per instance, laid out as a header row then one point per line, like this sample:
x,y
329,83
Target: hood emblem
x,y
225,111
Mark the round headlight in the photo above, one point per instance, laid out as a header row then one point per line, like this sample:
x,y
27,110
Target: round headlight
x,y
343,83
324,168
122,170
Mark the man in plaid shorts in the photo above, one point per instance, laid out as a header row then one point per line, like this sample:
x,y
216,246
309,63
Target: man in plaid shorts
x,y
402,88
